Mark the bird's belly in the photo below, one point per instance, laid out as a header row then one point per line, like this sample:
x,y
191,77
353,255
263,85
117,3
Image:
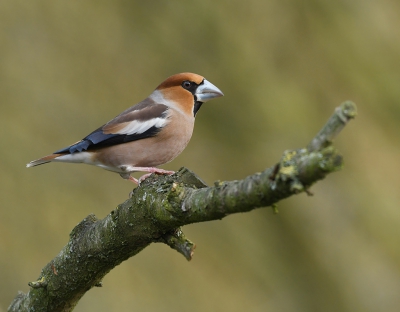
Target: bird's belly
x,y
149,152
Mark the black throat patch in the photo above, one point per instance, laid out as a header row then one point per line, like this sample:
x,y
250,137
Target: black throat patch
x,y
196,107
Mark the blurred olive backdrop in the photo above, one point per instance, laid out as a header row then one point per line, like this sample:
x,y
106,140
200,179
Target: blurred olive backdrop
x,y
68,67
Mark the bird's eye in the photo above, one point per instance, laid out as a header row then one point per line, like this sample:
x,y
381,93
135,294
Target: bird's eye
x,y
186,84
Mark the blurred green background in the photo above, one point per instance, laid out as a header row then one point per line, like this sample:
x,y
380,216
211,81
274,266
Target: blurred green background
x,y
66,68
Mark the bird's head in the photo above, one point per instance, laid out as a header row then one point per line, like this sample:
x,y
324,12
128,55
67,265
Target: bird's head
x,y
189,91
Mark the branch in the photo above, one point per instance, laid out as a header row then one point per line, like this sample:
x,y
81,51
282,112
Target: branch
x,y
343,114
161,205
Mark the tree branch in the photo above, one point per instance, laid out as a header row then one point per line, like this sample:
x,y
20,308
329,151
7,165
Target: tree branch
x,y
161,205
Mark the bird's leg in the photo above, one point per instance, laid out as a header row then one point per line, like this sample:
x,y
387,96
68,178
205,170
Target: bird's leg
x,y
143,177
127,176
153,170
150,170
132,179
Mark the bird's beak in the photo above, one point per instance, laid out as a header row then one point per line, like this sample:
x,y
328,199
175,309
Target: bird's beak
x,y
207,91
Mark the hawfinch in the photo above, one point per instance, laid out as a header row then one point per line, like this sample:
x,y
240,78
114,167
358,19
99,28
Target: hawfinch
x,y
148,134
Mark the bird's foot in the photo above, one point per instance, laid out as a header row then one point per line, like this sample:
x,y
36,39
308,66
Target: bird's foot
x,y
144,177
152,170
132,179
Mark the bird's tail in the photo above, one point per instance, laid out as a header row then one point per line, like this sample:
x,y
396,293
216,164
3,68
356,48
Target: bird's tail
x,y
43,160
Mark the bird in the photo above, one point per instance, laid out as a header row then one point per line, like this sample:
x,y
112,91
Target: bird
x,y
149,134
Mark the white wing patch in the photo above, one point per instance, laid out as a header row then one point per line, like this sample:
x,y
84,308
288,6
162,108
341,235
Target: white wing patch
x,y
138,127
